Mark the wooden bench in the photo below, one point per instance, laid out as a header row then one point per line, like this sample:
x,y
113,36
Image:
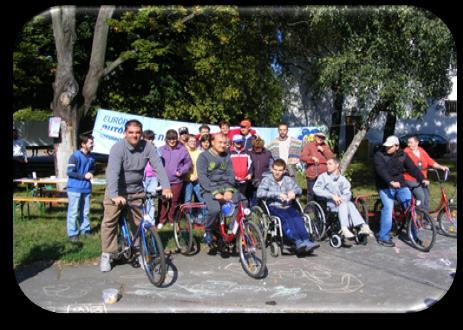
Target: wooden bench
x,y
26,200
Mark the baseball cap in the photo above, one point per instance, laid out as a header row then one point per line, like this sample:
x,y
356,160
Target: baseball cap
x,y
237,138
183,130
391,141
245,123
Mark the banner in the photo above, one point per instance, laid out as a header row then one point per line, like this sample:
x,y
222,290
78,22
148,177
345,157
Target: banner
x,y
109,128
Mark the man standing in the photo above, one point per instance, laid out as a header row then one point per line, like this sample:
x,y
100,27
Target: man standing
x,y
217,180
390,165
19,154
245,129
80,170
177,163
124,175
286,148
315,154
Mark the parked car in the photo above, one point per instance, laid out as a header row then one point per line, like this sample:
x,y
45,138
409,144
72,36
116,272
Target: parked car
x,y
435,145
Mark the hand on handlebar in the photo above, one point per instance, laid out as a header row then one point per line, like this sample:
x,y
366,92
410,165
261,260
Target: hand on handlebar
x,y
167,193
119,200
425,183
227,196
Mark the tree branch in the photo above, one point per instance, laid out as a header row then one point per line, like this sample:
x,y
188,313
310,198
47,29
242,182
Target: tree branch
x,y
111,66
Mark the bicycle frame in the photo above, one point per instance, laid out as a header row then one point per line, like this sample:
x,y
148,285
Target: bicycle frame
x,y
444,202
239,218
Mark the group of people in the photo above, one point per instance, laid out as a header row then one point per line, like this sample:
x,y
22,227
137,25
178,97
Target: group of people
x,y
234,165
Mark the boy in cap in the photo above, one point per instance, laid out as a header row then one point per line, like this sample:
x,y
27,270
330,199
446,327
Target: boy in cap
x,y
245,129
390,165
315,154
183,133
242,165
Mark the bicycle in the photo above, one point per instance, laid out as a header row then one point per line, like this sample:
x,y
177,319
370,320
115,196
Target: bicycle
x,y
183,227
150,246
245,235
446,210
421,230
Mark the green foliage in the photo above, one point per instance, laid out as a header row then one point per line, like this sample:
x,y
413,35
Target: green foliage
x,y
29,114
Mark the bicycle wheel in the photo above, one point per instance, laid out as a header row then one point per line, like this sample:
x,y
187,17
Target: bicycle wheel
x,y
447,219
252,250
183,232
261,219
315,213
421,230
153,256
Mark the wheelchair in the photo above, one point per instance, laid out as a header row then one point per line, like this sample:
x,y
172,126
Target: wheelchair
x,y
329,225
272,229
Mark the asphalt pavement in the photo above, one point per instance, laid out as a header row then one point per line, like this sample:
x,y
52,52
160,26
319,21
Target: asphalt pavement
x,y
369,278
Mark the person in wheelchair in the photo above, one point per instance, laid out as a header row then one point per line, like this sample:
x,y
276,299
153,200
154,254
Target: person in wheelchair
x,y
279,191
217,179
335,188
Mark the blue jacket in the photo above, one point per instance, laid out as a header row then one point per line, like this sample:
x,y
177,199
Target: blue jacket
x,y
78,165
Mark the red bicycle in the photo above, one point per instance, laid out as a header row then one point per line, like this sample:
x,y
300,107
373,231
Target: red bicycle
x,y
421,230
228,234
447,209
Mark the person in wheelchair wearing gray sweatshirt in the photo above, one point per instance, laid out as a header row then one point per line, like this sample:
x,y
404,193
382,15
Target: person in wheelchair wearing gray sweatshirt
x,y
336,189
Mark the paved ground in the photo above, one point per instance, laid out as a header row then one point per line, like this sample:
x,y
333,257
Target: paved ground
x,y
368,278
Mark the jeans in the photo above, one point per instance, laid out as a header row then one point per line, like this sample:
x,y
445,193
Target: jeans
x,y
195,187
78,211
387,195
151,182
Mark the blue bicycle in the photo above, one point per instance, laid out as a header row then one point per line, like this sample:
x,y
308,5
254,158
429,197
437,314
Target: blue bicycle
x,y
152,252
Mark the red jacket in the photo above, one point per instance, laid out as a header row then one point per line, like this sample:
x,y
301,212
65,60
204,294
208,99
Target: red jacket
x,y
426,162
310,150
241,161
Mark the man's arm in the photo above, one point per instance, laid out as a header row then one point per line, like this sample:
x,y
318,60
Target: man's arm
x,y
263,191
114,171
381,169
412,169
346,192
73,165
319,188
201,168
156,164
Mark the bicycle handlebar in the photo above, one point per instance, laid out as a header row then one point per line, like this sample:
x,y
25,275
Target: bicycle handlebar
x,y
437,173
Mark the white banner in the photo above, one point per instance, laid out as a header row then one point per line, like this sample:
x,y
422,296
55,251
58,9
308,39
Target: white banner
x,y
109,128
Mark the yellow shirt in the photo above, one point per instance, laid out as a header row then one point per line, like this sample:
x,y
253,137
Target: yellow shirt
x,y
194,154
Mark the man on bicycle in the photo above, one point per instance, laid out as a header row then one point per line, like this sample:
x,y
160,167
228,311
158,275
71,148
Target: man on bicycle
x,y
423,161
217,179
390,165
124,175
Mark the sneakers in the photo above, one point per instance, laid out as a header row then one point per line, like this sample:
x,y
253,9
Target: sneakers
x,y
388,243
300,246
310,246
365,229
105,262
73,239
159,226
208,238
347,233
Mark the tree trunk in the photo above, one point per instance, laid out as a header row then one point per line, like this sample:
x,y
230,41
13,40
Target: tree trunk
x,y
65,87
96,69
354,145
336,118
389,127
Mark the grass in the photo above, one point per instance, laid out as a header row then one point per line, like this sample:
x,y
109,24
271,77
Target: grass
x,y
44,239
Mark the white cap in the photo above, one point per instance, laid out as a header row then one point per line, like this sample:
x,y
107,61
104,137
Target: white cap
x,y
391,141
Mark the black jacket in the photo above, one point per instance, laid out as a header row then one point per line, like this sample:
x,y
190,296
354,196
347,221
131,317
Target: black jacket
x,y
391,168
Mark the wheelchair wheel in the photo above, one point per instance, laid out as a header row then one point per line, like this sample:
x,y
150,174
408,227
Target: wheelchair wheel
x,y
421,231
183,232
447,219
317,220
261,219
153,256
274,249
252,250
335,241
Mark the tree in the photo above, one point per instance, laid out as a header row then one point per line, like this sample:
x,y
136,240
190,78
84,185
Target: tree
x,y
386,59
